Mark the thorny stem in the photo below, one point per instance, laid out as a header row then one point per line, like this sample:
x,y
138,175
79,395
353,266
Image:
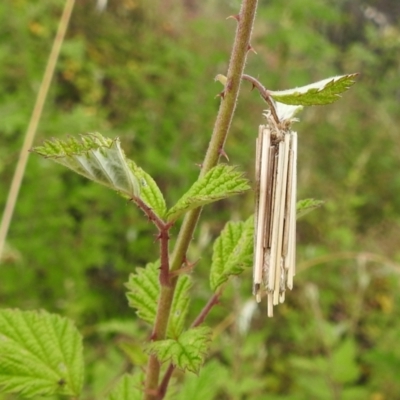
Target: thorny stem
x,y
163,237
164,257
264,94
162,390
221,128
151,215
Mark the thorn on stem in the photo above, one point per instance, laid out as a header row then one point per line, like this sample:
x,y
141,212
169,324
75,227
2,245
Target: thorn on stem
x,y
223,154
236,17
222,95
251,48
162,235
186,268
152,337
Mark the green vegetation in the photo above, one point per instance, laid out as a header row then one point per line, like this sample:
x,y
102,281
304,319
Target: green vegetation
x,y
143,72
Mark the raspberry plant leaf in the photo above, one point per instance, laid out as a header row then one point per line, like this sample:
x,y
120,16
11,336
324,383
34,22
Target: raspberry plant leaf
x,y
323,92
103,161
150,193
305,206
95,157
205,386
180,306
220,182
144,291
129,387
40,354
187,352
232,251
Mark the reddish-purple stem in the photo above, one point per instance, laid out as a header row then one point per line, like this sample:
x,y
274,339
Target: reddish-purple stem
x,y
206,309
151,215
264,94
164,256
163,237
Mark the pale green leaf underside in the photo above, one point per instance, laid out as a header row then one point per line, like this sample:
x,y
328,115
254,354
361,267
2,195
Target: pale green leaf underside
x,y
40,354
286,112
95,157
187,352
144,291
305,206
232,251
323,92
220,182
103,161
129,387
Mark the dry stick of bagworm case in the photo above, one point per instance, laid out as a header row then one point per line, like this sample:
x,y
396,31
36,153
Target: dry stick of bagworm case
x,y
275,211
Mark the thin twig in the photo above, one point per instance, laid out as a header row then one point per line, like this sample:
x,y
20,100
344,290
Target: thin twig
x,y
264,94
33,123
151,215
162,389
163,237
349,255
214,299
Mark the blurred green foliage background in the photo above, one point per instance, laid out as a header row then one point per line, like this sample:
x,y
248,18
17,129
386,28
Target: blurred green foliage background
x,y
143,71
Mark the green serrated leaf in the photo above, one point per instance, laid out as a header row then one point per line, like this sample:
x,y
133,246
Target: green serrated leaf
x,y
144,291
180,306
344,365
187,352
323,92
305,206
95,157
232,251
40,354
129,387
205,386
150,193
102,160
219,183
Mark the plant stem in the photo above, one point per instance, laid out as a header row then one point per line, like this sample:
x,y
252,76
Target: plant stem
x,y
221,128
151,215
264,94
162,390
163,237
214,299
